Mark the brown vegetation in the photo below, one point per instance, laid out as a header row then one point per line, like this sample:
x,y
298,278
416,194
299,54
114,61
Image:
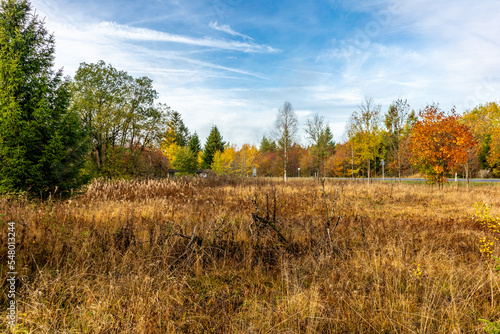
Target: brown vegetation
x,y
186,256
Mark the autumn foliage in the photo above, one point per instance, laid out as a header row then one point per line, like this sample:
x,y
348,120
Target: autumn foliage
x,y
439,143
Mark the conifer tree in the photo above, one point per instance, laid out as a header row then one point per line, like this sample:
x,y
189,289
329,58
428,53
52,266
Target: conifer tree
x,y
214,143
267,145
42,144
194,143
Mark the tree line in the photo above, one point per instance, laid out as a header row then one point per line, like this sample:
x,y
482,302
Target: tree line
x,y
56,132
400,142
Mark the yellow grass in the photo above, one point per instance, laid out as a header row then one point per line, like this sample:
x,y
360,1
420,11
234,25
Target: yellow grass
x,y
184,256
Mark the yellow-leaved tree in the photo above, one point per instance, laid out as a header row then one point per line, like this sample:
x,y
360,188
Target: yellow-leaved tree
x,y
223,162
170,150
246,159
175,137
234,161
484,122
365,134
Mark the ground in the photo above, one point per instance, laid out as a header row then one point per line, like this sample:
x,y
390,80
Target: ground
x,y
185,255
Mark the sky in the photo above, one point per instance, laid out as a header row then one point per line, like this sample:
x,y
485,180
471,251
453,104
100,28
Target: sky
x,y
233,63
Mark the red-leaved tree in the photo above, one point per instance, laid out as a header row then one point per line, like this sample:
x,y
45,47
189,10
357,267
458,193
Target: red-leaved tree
x,y
439,143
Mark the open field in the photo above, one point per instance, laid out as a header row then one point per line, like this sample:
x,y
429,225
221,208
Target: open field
x,y
186,256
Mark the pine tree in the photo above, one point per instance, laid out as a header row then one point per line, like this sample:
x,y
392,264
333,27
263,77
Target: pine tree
x,y
194,143
42,144
214,143
179,129
267,145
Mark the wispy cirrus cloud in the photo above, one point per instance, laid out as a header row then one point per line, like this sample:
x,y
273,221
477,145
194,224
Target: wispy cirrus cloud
x,y
119,31
322,56
227,29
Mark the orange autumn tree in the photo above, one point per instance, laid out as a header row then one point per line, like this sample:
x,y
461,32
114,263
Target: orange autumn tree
x,y
439,143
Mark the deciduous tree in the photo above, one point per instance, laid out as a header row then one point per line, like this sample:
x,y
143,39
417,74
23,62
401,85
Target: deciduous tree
x,y
493,157
224,162
185,161
247,158
285,132
439,143
399,121
484,122
340,163
117,110
364,132
321,138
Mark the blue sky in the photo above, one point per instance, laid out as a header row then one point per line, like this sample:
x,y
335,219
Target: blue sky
x,y
233,63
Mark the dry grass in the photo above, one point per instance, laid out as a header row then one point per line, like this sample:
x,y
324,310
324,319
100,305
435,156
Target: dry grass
x,y
184,256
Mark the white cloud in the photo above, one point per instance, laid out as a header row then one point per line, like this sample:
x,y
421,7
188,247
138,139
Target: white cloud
x,y
427,51
114,30
449,53
227,29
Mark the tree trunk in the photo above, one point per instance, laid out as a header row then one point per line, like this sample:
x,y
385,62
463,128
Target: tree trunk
x,y
467,174
97,160
285,161
399,167
352,165
368,172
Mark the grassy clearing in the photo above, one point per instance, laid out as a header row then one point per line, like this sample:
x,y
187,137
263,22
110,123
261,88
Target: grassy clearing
x,y
185,256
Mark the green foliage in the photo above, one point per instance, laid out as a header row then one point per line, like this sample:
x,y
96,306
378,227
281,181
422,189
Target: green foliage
x,y
214,143
364,131
484,151
178,130
484,122
497,266
185,162
324,148
119,113
194,143
484,217
267,145
42,143
321,138
492,327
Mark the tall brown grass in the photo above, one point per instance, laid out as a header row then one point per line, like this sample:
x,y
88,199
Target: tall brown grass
x,y
185,256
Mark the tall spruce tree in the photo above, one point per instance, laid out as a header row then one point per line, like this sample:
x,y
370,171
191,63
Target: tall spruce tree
x,y
194,143
42,144
214,144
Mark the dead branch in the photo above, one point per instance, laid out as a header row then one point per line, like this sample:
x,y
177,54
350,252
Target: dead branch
x,y
266,221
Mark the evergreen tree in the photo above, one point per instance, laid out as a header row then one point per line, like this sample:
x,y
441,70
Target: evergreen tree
x,y
321,138
214,143
267,145
179,129
326,140
42,144
194,144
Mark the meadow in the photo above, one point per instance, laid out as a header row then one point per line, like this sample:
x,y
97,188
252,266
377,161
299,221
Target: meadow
x,y
229,255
